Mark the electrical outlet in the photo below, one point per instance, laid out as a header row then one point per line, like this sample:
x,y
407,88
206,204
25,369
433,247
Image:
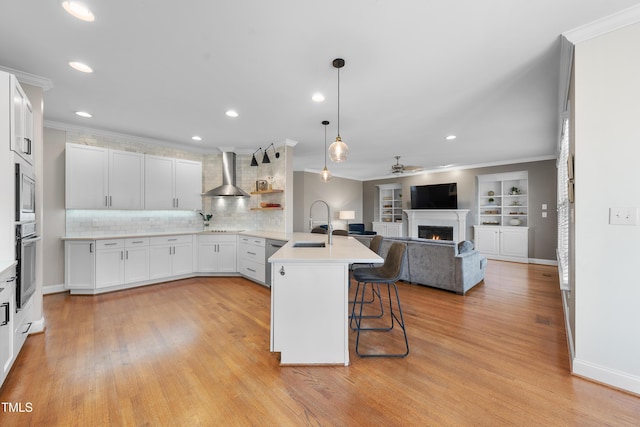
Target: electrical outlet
x,y
623,216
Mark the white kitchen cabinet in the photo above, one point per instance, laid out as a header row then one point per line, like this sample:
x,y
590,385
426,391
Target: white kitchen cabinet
x,y
217,254
7,311
172,183
109,263
251,258
170,256
502,243
101,178
136,260
79,260
21,123
387,229
22,326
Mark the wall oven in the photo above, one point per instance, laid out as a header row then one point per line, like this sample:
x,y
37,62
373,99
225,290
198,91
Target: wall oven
x,y
25,191
26,240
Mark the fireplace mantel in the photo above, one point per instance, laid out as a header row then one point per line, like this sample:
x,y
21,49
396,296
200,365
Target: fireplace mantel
x,y
456,218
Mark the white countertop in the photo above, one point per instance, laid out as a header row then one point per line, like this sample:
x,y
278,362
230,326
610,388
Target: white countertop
x,y
344,250
6,265
265,234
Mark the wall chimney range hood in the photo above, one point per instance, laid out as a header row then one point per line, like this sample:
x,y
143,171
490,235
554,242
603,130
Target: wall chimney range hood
x,y
228,187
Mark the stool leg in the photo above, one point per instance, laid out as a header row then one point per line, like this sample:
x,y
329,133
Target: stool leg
x,y
399,318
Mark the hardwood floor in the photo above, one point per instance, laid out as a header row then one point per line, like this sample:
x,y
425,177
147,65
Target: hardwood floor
x,y
196,352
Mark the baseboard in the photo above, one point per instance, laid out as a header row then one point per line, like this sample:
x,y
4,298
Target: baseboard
x,y
607,376
543,261
52,289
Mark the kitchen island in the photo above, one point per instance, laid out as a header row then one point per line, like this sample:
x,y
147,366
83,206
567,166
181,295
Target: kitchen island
x,y
309,298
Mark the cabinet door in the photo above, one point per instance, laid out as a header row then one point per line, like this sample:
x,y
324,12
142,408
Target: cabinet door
x,y
159,182
160,261
394,230
136,267
188,184
7,312
126,180
87,177
109,267
227,257
487,240
514,242
79,268
182,259
207,256
379,228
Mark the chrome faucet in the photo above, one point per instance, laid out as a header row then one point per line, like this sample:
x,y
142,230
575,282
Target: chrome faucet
x,y
329,227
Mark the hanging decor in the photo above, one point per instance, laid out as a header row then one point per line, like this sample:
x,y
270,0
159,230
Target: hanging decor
x,y
325,175
338,151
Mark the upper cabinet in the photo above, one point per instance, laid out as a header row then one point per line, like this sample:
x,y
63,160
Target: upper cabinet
x,y
101,178
22,123
172,183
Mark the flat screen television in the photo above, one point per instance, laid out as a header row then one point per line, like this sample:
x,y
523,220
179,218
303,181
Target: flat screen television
x,y
435,196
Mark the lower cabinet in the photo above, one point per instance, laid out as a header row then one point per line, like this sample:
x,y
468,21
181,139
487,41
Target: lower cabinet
x,y
217,253
251,258
502,243
97,265
7,312
387,229
170,256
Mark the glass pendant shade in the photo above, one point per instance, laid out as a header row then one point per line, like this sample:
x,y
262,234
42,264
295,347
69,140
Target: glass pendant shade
x,y
325,175
338,151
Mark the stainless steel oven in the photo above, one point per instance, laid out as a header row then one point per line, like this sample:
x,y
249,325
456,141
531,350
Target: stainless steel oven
x,y
25,182
26,241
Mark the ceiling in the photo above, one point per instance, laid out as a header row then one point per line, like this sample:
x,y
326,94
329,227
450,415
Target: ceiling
x,y
416,71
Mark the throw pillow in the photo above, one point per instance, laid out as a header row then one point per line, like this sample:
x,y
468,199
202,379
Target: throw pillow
x,y
465,246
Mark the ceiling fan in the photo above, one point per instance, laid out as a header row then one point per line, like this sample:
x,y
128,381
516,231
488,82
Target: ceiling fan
x,y
400,168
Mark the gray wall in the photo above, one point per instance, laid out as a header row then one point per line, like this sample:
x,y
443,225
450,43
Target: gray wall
x,y
53,207
340,193
542,189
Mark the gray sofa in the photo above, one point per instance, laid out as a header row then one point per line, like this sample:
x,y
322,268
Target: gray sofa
x,y
444,265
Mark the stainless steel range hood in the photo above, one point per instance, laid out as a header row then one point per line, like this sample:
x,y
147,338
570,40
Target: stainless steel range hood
x,y
228,187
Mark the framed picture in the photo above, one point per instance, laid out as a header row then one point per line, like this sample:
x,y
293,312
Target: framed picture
x,y
570,190
570,166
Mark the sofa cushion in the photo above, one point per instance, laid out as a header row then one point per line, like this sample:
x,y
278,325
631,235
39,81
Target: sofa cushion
x,y
465,246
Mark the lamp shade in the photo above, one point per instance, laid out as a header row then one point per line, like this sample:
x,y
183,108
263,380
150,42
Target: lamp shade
x,y
338,151
347,214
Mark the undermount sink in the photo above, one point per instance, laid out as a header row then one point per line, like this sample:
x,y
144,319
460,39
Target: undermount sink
x,y
303,244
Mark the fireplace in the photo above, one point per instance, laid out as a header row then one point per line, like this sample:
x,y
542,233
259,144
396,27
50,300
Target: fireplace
x,y
435,232
453,218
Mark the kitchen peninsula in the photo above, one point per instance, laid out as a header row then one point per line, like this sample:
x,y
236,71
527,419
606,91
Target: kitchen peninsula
x,y
309,298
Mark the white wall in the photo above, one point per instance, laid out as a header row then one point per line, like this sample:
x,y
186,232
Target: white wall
x,y
607,148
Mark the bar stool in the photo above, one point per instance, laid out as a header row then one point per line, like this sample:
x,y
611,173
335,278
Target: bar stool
x,y
388,274
374,245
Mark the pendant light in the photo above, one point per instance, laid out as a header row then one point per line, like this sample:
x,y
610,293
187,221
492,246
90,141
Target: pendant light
x,y
325,175
338,151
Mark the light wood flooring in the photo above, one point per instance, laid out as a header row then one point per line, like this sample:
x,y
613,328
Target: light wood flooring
x,y
196,353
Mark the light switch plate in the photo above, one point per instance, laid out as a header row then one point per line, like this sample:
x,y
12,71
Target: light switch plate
x,y
623,216
544,206
544,214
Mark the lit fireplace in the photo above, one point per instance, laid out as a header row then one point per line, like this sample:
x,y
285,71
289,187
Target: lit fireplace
x,y
435,232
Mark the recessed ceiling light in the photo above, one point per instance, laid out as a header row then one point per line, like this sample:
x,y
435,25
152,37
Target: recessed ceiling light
x,y
80,67
196,138
317,97
451,137
78,10
83,114
231,113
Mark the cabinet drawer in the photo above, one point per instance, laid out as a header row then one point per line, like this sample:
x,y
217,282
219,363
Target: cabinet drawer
x,y
250,252
255,241
170,239
252,269
139,241
109,244
216,238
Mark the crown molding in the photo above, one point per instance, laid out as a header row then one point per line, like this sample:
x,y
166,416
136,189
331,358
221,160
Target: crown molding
x,y
30,79
604,25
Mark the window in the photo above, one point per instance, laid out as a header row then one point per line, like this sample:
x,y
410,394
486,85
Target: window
x,y
563,207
